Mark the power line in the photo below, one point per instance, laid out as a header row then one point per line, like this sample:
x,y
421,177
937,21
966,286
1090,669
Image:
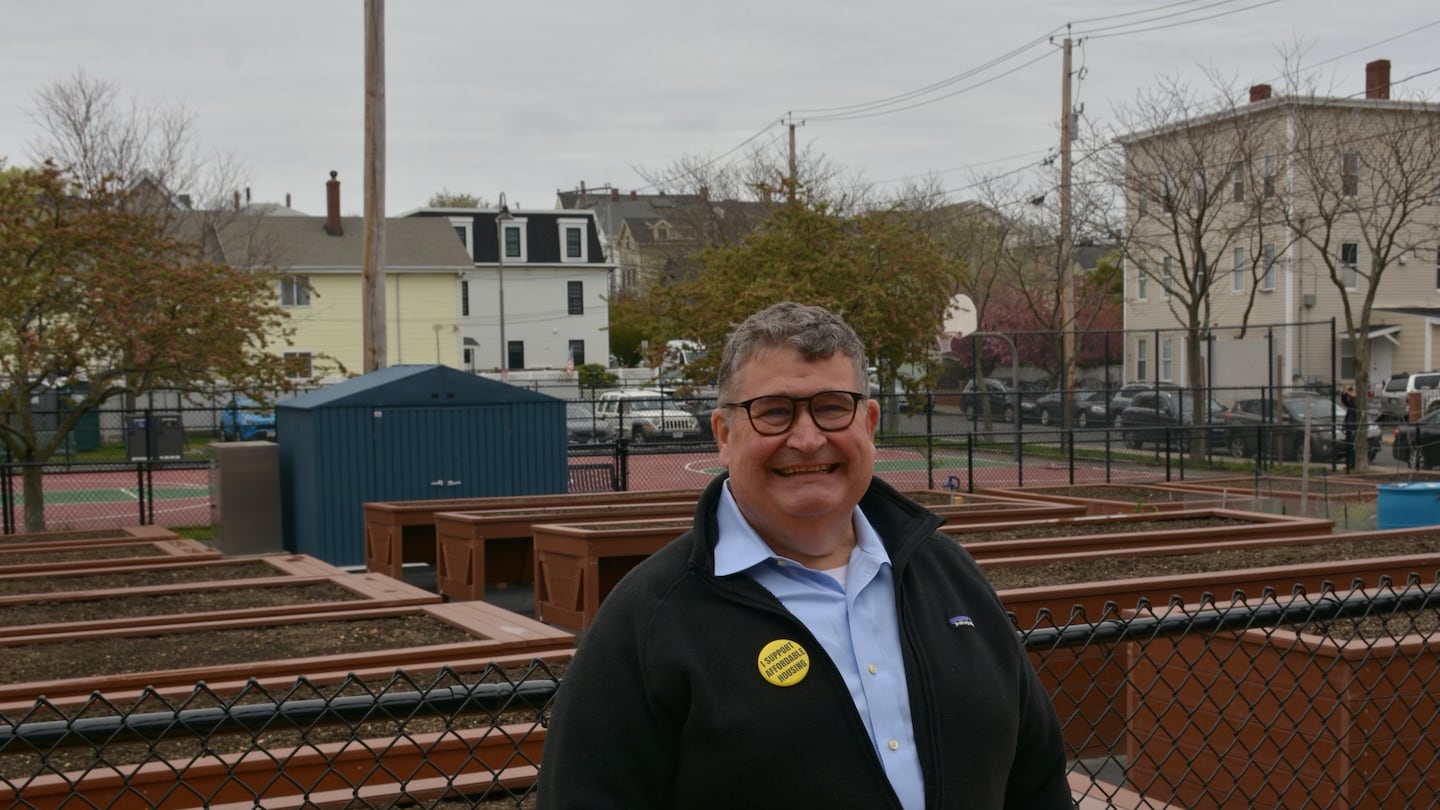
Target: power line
x,y
707,164
1182,22
1133,13
952,94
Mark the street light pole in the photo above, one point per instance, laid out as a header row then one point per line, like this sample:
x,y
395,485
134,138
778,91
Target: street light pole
x,y
502,217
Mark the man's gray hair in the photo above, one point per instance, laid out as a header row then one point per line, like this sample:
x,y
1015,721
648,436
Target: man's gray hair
x,y
816,332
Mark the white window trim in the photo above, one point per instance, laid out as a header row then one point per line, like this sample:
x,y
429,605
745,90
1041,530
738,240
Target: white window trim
x,y
1142,361
1142,282
1237,273
1267,275
297,282
468,225
1167,278
571,223
1350,269
1167,360
520,223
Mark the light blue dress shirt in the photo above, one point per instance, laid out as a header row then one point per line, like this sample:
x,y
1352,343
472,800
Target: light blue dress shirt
x,y
856,624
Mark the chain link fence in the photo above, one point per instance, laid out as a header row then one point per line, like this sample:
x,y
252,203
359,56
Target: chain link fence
x,y
1323,700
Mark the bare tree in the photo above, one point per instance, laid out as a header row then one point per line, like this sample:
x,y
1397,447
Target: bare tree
x,y
1364,197
89,129
1187,173
445,198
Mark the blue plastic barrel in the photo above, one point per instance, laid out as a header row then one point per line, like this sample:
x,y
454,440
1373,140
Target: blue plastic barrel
x,y
1401,506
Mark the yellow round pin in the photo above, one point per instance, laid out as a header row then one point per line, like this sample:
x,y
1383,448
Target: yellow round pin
x,y
784,662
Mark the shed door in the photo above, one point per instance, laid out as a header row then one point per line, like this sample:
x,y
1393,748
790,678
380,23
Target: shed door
x,y
423,453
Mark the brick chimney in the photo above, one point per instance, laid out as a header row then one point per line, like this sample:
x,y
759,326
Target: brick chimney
x,y
287,199
332,206
1377,79
634,195
237,199
614,194
1259,92
584,195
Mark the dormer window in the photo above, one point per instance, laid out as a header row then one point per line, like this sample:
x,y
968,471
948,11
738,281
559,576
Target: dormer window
x,y
513,241
574,246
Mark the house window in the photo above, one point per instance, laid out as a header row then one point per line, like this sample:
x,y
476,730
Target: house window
x,y
514,240
469,356
1349,261
465,299
1167,359
1350,174
1142,358
463,228
295,291
1269,180
577,352
1237,182
1237,273
1166,279
573,245
575,297
515,354
298,366
1267,281
1142,280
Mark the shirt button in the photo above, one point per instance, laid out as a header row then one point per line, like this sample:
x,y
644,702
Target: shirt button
x,y
873,669
894,745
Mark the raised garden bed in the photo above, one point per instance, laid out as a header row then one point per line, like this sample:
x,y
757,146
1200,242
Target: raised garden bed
x,y
74,536
1286,718
577,565
55,615
1099,583
397,532
1117,499
165,572
100,554
222,650
1317,488
478,750
1128,533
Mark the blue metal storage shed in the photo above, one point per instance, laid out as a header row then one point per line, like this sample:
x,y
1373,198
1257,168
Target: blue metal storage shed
x,y
408,433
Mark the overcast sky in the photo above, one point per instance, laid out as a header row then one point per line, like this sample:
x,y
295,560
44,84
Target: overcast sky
x,y
531,97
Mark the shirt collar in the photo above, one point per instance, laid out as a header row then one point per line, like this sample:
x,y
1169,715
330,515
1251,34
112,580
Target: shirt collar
x,y
739,547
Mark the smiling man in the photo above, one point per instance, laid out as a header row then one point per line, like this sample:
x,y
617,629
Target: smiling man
x,y
812,641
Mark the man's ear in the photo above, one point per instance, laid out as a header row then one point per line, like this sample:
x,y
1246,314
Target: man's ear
x,y
720,426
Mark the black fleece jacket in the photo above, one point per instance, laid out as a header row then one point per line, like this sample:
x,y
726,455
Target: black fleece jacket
x,y
665,706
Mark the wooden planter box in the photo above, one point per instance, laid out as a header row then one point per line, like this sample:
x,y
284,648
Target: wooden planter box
x,y
1088,684
1288,488
492,631
1140,542
326,775
1147,498
63,538
1278,719
397,532
216,569
115,553
476,549
367,591
577,565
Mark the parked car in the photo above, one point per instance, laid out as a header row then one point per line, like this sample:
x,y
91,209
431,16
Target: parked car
x,y
1121,399
645,414
246,420
1395,397
1089,408
1418,443
1003,401
1154,415
1251,421
584,426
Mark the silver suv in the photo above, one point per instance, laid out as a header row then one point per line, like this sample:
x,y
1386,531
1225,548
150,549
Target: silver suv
x,y
1395,398
645,415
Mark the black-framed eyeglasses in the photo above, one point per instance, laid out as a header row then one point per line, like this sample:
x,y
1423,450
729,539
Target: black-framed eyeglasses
x,y
773,414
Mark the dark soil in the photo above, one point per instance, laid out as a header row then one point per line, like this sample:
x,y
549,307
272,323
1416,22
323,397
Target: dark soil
x,y
1113,492
62,537
59,583
1423,622
79,554
1036,531
1265,486
169,604
1123,566
137,652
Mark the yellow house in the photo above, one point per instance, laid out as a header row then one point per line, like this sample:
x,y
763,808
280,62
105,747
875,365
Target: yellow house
x,y
319,262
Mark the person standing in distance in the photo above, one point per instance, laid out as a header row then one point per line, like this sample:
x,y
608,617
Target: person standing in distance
x,y
812,641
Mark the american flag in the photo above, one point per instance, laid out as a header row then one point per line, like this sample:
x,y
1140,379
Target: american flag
x,y
569,362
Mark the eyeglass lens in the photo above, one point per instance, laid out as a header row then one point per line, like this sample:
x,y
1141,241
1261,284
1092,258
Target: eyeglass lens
x,y
831,410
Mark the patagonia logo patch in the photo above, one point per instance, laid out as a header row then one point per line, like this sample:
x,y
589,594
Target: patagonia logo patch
x,y
961,621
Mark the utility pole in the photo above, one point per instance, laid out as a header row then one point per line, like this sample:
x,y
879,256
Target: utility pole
x,y
372,270
794,163
1066,264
